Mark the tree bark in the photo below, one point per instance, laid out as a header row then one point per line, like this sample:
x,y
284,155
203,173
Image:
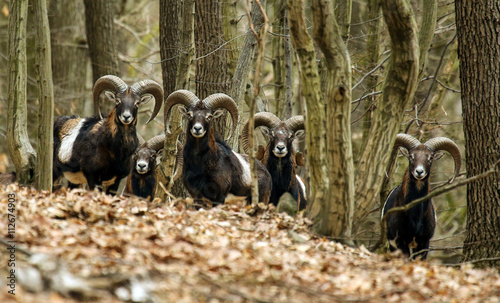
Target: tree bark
x,y
69,55
243,67
373,44
101,35
230,27
21,152
186,45
169,43
477,27
212,72
343,11
398,91
334,217
429,19
45,97
315,118
176,50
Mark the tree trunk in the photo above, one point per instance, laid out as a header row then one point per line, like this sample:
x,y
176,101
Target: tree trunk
x,y
315,118
429,18
21,152
230,27
186,45
282,62
343,10
169,42
398,91
101,35
477,27
171,32
373,44
212,73
45,97
69,56
334,217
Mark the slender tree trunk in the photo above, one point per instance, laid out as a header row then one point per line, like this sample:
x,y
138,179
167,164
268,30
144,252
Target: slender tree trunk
x,y
243,67
212,72
334,217
186,45
277,51
230,27
21,152
169,42
373,45
398,91
172,29
477,27
429,18
343,11
101,35
316,115
45,97
69,55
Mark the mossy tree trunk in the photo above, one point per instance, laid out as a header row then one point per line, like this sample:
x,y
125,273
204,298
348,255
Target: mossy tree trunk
x,y
45,97
398,91
21,152
477,27
330,164
343,10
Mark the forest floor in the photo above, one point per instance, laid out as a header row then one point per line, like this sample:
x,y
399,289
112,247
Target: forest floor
x,y
86,246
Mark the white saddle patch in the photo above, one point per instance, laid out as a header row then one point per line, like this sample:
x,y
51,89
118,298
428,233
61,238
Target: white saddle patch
x,y
302,185
67,142
246,178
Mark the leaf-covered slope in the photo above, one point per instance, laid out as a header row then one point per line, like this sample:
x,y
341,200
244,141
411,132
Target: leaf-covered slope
x,y
107,248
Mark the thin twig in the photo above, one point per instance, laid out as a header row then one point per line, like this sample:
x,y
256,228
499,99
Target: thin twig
x,y
371,72
23,250
436,72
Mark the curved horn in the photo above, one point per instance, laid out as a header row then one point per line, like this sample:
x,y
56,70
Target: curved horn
x,y
156,142
266,119
295,123
108,82
216,101
406,141
150,87
183,97
141,140
442,143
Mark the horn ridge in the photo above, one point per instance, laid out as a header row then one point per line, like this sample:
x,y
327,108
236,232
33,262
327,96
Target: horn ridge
x,y
150,87
183,97
220,100
406,141
266,119
446,144
295,123
108,82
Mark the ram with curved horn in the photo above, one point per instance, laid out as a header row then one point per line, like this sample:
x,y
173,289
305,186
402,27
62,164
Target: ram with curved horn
x,y
97,150
412,230
210,168
142,180
279,156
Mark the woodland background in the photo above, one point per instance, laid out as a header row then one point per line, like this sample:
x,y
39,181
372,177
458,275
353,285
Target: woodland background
x,y
151,40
